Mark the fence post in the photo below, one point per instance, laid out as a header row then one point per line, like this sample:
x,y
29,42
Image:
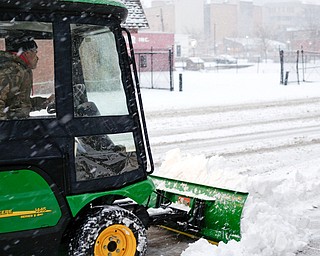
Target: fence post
x,y
151,69
281,66
302,63
180,82
297,67
286,78
171,69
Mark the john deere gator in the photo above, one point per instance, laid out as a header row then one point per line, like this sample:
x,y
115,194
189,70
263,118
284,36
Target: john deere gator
x,y
76,178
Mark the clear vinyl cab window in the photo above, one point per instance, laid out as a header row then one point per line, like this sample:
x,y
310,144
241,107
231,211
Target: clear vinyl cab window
x,y
97,84
98,91
102,156
26,70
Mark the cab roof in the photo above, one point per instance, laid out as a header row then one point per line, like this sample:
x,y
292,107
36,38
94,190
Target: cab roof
x,y
101,2
103,7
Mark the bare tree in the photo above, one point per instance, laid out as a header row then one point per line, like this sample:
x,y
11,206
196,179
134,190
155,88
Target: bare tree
x,y
265,35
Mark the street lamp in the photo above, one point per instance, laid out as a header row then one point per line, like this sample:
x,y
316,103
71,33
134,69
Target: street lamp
x,y
193,44
247,46
289,45
161,19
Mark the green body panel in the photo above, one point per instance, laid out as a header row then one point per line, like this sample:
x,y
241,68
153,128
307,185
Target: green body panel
x,y
222,211
139,192
26,202
104,2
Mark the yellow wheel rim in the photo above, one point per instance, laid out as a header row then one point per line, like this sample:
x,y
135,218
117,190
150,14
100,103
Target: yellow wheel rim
x,y
116,240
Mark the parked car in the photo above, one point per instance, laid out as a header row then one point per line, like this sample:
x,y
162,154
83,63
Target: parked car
x,y
225,59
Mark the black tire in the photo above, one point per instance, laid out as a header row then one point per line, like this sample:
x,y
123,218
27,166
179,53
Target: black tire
x,y
109,231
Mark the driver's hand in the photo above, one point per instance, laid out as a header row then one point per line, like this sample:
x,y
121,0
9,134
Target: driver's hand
x,y
51,99
47,101
50,104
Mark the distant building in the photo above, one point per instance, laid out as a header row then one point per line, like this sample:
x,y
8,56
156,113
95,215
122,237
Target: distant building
x,y
194,63
209,22
294,23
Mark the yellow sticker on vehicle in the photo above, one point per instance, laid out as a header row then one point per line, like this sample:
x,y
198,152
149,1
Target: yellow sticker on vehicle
x,y
37,212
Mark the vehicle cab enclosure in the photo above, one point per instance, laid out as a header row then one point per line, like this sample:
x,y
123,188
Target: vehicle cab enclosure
x,y
89,146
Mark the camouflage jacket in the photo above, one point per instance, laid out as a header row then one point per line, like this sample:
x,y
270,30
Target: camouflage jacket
x,y
15,88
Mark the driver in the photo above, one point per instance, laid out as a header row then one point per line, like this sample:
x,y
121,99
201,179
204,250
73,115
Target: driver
x,y
16,79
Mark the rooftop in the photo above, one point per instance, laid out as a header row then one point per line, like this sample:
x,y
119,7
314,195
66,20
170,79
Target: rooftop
x,y
136,17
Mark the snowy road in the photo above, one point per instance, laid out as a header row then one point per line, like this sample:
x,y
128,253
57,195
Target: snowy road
x,y
236,131
162,242
274,134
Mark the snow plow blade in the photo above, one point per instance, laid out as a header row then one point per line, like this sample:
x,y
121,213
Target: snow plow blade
x,y
197,210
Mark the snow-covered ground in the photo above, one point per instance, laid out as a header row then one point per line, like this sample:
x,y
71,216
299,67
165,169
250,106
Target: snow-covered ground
x,y
282,212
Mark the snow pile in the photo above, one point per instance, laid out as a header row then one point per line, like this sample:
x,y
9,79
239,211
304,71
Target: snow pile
x,y
269,226
274,221
198,169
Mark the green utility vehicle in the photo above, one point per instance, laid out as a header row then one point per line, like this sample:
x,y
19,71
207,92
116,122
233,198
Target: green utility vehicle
x,y
75,179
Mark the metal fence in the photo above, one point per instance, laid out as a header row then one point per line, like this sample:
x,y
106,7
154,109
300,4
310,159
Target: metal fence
x,y
155,68
299,66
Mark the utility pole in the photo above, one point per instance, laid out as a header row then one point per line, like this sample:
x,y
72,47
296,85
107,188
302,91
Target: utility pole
x,y
161,19
214,39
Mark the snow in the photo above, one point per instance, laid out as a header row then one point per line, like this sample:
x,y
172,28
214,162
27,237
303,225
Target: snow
x,y
199,169
210,89
274,219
